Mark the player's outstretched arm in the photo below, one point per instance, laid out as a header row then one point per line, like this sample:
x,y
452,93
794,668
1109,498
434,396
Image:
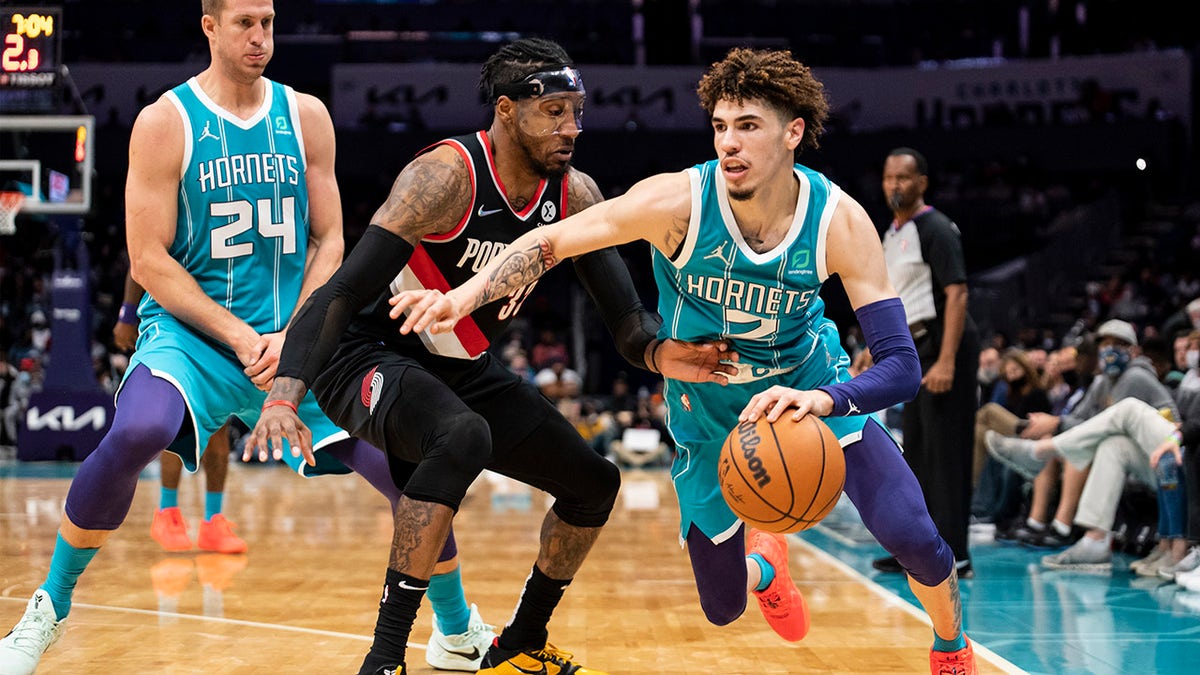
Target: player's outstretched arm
x,y
655,209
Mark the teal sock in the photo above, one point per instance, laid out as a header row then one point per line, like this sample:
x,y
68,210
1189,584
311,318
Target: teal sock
x,y
768,572
213,501
66,565
940,645
449,602
168,498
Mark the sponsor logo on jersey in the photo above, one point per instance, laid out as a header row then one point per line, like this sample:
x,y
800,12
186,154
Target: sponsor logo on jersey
x,y
281,126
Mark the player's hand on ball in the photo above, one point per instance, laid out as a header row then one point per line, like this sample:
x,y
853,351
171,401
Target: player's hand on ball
x,y
695,361
775,401
276,423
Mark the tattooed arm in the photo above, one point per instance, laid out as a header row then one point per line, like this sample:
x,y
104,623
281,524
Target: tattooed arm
x,y
656,209
430,196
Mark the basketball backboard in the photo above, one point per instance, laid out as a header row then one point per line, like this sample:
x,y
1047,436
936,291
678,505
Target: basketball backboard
x,y
49,158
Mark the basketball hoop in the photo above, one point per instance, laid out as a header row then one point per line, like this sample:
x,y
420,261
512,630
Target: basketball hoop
x,y
10,204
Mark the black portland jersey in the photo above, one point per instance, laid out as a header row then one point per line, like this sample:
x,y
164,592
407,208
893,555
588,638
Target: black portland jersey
x,y
448,260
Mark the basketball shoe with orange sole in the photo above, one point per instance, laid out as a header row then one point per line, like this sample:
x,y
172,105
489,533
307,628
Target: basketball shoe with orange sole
x,y
961,662
217,535
781,603
169,529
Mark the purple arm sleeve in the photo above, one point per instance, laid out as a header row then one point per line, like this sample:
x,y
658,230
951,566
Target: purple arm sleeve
x,y
896,375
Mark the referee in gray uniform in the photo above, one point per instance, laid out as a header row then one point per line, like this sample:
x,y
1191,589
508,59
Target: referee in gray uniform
x,y
923,251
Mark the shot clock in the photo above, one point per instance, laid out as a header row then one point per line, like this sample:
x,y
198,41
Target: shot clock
x,y
30,49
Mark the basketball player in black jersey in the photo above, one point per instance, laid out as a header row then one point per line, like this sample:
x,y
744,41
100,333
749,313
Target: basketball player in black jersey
x,y
442,403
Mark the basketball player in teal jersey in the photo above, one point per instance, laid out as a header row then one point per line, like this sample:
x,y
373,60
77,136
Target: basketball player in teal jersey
x,y
233,217
741,245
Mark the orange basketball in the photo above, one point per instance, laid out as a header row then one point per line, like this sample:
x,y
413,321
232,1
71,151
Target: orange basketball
x,y
782,477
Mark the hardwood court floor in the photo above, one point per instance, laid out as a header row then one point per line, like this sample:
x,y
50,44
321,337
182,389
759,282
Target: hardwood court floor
x,y
303,600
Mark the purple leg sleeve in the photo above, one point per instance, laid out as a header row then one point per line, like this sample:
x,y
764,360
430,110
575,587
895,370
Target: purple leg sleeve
x,y
889,500
149,414
720,571
371,463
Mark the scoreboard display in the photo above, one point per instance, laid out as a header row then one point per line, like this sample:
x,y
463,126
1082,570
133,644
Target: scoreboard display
x,y
31,49
30,59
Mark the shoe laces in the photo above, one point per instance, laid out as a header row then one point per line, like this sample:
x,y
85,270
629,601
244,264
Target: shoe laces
x,y
33,633
554,655
224,525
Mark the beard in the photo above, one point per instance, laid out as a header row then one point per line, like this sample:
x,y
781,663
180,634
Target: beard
x,y
743,195
896,201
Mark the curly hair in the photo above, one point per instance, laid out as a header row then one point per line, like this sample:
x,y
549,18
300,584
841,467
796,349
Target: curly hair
x,y
773,77
517,60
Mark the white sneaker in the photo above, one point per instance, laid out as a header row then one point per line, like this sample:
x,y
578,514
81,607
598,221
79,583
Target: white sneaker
x,y
463,651
22,648
1189,580
1189,562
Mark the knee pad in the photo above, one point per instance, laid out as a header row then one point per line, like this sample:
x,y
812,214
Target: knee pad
x,y
590,504
134,442
454,453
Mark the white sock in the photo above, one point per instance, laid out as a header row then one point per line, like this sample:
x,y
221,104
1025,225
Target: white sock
x,y
1061,527
1035,525
1097,544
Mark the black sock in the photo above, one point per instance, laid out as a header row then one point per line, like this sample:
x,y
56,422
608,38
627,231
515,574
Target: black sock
x,y
528,627
402,596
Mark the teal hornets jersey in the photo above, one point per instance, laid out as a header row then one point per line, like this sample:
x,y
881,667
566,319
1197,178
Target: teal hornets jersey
x,y
242,229
766,304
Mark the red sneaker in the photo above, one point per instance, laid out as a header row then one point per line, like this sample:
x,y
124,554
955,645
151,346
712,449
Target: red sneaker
x,y
961,662
217,535
781,603
170,530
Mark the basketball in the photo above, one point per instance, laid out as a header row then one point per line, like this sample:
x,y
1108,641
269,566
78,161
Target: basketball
x,y
782,477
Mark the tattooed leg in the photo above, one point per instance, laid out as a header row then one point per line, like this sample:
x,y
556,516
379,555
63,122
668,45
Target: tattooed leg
x,y
420,532
943,604
564,547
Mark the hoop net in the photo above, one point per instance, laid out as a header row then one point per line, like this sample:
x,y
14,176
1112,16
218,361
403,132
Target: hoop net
x,y
11,202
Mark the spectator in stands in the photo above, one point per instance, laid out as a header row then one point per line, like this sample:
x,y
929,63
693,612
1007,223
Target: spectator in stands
x,y
519,364
988,374
548,348
1188,398
558,381
1110,454
997,496
1040,531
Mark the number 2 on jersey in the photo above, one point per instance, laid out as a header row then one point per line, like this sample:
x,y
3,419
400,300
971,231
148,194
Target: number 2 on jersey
x,y
243,213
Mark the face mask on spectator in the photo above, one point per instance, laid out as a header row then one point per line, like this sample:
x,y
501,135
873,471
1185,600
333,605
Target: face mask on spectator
x,y
1192,359
1113,360
987,375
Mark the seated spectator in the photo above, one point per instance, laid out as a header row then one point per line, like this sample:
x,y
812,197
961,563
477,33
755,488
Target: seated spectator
x,y
547,349
1114,448
557,381
997,495
1040,531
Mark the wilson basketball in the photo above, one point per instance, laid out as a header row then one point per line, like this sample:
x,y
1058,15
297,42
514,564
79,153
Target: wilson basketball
x,y
782,477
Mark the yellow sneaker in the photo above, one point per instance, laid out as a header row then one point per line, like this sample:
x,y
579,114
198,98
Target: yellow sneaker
x,y
546,661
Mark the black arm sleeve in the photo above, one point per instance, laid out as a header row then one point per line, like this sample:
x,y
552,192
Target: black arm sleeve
x,y
606,278
317,328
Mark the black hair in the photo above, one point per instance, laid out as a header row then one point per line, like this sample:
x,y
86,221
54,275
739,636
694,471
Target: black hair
x,y
517,60
922,165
